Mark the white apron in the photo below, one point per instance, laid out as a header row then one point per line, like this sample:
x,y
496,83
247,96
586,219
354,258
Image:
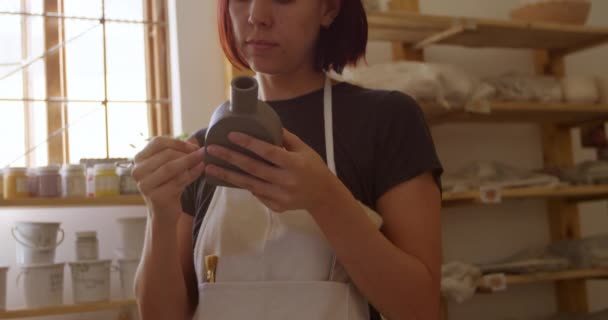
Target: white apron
x,y
272,266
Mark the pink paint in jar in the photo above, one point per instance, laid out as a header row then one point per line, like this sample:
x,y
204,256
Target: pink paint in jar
x,y
49,182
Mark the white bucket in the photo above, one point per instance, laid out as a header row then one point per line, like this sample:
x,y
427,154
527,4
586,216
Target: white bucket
x,y
133,232
91,281
36,242
127,268
3,272
42,285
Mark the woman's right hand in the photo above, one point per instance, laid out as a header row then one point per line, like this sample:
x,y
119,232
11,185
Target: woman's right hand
x,y
162,170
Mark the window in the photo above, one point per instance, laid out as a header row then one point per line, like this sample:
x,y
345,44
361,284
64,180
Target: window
x,y
81,79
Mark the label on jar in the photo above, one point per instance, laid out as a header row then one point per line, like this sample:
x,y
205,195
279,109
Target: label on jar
x,y
22,185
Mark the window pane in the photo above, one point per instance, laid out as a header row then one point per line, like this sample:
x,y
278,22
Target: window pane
x,y
12,134
82,8
87,134
10,5
125,9
38,134
10,39
36,37
84,61
128,129
11,87
126,62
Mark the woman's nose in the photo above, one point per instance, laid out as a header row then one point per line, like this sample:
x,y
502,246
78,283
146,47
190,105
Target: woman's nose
x,y
260,13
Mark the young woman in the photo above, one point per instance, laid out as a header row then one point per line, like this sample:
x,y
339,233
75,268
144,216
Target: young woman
x,y
294,241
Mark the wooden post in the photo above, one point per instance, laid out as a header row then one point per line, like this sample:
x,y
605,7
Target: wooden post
x,y
157,67
564,217
403,51
55,83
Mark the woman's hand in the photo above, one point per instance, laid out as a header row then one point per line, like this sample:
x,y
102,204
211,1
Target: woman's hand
x,y
162,170
299,179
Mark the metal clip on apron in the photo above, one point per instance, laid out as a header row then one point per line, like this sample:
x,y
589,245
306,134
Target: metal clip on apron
x,y
272,266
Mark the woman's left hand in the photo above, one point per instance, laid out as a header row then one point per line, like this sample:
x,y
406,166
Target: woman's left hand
x,y
299,179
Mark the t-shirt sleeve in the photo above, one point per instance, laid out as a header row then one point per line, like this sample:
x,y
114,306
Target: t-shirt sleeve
x,y
188,197
404,146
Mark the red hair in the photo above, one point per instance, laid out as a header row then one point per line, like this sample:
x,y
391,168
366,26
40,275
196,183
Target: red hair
x,y
342,44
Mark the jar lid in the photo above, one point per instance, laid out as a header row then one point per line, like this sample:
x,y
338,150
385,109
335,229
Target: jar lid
x,y
48,169
124,171
104,167
86,234
72,168
13,170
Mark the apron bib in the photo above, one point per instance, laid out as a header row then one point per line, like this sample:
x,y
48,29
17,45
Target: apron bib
x,y
272,266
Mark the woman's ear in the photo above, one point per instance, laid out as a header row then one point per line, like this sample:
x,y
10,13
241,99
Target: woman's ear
x,y
331,9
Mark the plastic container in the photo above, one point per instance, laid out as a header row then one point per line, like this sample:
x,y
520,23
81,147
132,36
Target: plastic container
x,y
91,281
90,182
127,183
74,181
32,182
49,182
133,232
127,268
36,242
87,246
16,183
107,182
42,284
3,282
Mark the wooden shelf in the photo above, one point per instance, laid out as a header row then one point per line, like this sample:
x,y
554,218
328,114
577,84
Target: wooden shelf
x,y
131,200
553,113
66,309
422,30
575,193
557,276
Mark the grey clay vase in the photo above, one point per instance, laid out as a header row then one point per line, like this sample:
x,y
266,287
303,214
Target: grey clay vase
x,y
243,113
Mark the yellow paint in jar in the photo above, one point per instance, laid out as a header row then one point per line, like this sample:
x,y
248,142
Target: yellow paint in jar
x,y
16,183
107,182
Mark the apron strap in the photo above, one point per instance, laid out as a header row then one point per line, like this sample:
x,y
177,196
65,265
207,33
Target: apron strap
x,y
329,147
329,130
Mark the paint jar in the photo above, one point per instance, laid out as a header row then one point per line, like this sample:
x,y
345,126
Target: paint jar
x,y
1,184
32,181
87,246
16,183
49,182
127,183
107,182
74,182
90,182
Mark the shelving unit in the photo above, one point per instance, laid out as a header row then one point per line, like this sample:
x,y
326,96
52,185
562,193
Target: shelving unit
x,y
130,200
563,114
411,32
66,309
567,193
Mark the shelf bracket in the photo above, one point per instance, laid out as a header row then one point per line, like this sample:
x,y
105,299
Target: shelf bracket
x,y
459,26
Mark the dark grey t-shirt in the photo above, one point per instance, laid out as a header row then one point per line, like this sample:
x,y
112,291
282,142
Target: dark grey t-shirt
x,y
380,140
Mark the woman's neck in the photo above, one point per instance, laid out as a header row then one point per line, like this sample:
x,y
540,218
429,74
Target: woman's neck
x,y
287,86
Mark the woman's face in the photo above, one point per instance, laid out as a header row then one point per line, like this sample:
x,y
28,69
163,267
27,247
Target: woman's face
x,y
279,36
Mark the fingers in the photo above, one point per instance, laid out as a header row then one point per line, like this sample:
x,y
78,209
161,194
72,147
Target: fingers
x,y
291,141
161,143
178,184
154,162
172,170
270,152
251,166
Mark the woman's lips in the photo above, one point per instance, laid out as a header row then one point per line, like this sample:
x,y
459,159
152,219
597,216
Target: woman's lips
x,y
261,45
